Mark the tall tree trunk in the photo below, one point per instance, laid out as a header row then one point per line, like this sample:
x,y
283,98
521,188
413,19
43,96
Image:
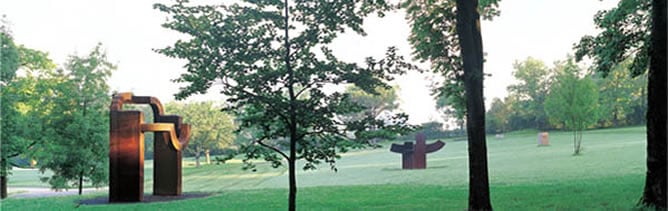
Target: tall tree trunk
x,y
292,197
207,156
81,182
654,194
470,40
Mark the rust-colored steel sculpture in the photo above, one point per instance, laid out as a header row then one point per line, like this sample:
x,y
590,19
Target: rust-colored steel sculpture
x,y
414,156
126,149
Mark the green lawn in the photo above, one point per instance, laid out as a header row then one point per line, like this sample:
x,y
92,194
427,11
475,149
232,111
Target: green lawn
x,y
608,175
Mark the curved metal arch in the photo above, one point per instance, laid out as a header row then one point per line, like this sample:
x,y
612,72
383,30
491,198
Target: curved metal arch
x,y
179,134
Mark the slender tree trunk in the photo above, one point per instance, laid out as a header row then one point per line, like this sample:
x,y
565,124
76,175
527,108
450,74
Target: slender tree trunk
x,y
207,156
3,183
197,152
3,177
292,203
470,40
579,143
575,142
81,175
292,198
654,194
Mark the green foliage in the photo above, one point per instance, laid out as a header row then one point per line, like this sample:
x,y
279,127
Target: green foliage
x,y
76,144
8,114
434,39
382,100
431,130
497,116
274,82
534,83
623,99
210,128
24,113
239,47
636,30
625,34
9,58
573,101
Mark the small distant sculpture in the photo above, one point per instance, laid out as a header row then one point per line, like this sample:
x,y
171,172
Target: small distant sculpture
x,y
414,156
543,139
126,149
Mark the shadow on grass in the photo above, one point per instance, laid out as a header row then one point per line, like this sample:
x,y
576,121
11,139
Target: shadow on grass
x,y
428,167
148,198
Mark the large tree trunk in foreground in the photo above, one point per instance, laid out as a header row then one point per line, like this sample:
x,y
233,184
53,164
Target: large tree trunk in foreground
x,y
654,194
470,40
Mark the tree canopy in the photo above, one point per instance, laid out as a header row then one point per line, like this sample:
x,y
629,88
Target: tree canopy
x,y
573,101
23,113
636,30
383,100
530,92
211,128
272,61
78,140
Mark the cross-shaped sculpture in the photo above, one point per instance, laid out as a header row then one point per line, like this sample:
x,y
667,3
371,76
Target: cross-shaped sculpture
x,y
414,156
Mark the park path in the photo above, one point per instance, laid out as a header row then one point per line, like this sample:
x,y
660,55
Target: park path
x,y
35,192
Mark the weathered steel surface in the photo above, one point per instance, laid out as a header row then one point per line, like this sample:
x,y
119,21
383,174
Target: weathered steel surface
x,y
126,149
414,156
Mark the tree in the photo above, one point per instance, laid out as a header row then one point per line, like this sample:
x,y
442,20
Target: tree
x,y
622,97
470,41
636,29
78,145
573,101
498,116
383,100
272,61
452,42
449,105
22,114
211,128
8,65
533,77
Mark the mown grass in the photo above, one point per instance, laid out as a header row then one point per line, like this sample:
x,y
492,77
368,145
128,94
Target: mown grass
x,y
608,176
619,193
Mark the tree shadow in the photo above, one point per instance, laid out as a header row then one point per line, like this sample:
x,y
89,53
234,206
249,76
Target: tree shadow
x,y
400,169
148,198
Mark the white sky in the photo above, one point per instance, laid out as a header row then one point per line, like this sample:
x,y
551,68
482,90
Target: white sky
x,y
129,30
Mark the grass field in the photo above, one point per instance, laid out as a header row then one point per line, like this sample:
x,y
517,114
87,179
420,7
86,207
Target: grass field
x,y
608,175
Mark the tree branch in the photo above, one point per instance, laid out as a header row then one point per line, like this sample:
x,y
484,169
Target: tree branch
x,y
18,153
307,87
261,98
272,148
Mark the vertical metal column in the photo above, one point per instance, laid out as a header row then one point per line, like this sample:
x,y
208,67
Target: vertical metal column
x,y
126,156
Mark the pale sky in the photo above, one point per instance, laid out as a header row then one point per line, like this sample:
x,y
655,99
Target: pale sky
x,y
129,30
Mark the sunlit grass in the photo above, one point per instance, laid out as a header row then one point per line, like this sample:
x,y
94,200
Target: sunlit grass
x,y
608,175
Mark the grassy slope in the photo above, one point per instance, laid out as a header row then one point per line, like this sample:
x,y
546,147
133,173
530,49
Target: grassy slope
x,y
608,176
